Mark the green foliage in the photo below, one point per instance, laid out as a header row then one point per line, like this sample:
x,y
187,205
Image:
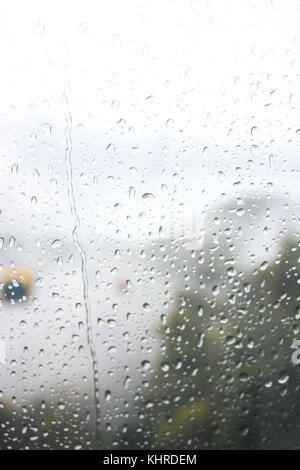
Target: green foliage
x,y
225,377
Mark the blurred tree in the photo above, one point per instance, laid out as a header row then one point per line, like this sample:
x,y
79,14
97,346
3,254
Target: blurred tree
x,y
225,378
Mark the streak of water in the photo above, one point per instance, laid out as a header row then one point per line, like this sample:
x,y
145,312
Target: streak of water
x,y
79,248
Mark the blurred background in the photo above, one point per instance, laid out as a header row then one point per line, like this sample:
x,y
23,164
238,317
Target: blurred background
x,y
149,224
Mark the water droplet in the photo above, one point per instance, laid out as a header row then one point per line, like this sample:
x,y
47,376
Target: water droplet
x,y
148,196
283,378
146,365
164,366
56,244
170,123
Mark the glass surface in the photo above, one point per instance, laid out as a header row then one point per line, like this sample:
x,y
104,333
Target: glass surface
x,y
149,225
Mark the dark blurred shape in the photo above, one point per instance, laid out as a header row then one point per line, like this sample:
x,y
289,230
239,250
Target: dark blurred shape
x,y
17,283
14,291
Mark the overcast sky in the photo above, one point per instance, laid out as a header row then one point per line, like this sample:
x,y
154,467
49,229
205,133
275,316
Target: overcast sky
x,y
207,92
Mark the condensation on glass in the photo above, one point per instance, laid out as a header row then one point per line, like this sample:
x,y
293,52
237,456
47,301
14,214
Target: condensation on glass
x,y
149,225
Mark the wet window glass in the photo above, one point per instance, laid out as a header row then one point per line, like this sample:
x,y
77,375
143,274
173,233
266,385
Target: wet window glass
x,y
149,225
